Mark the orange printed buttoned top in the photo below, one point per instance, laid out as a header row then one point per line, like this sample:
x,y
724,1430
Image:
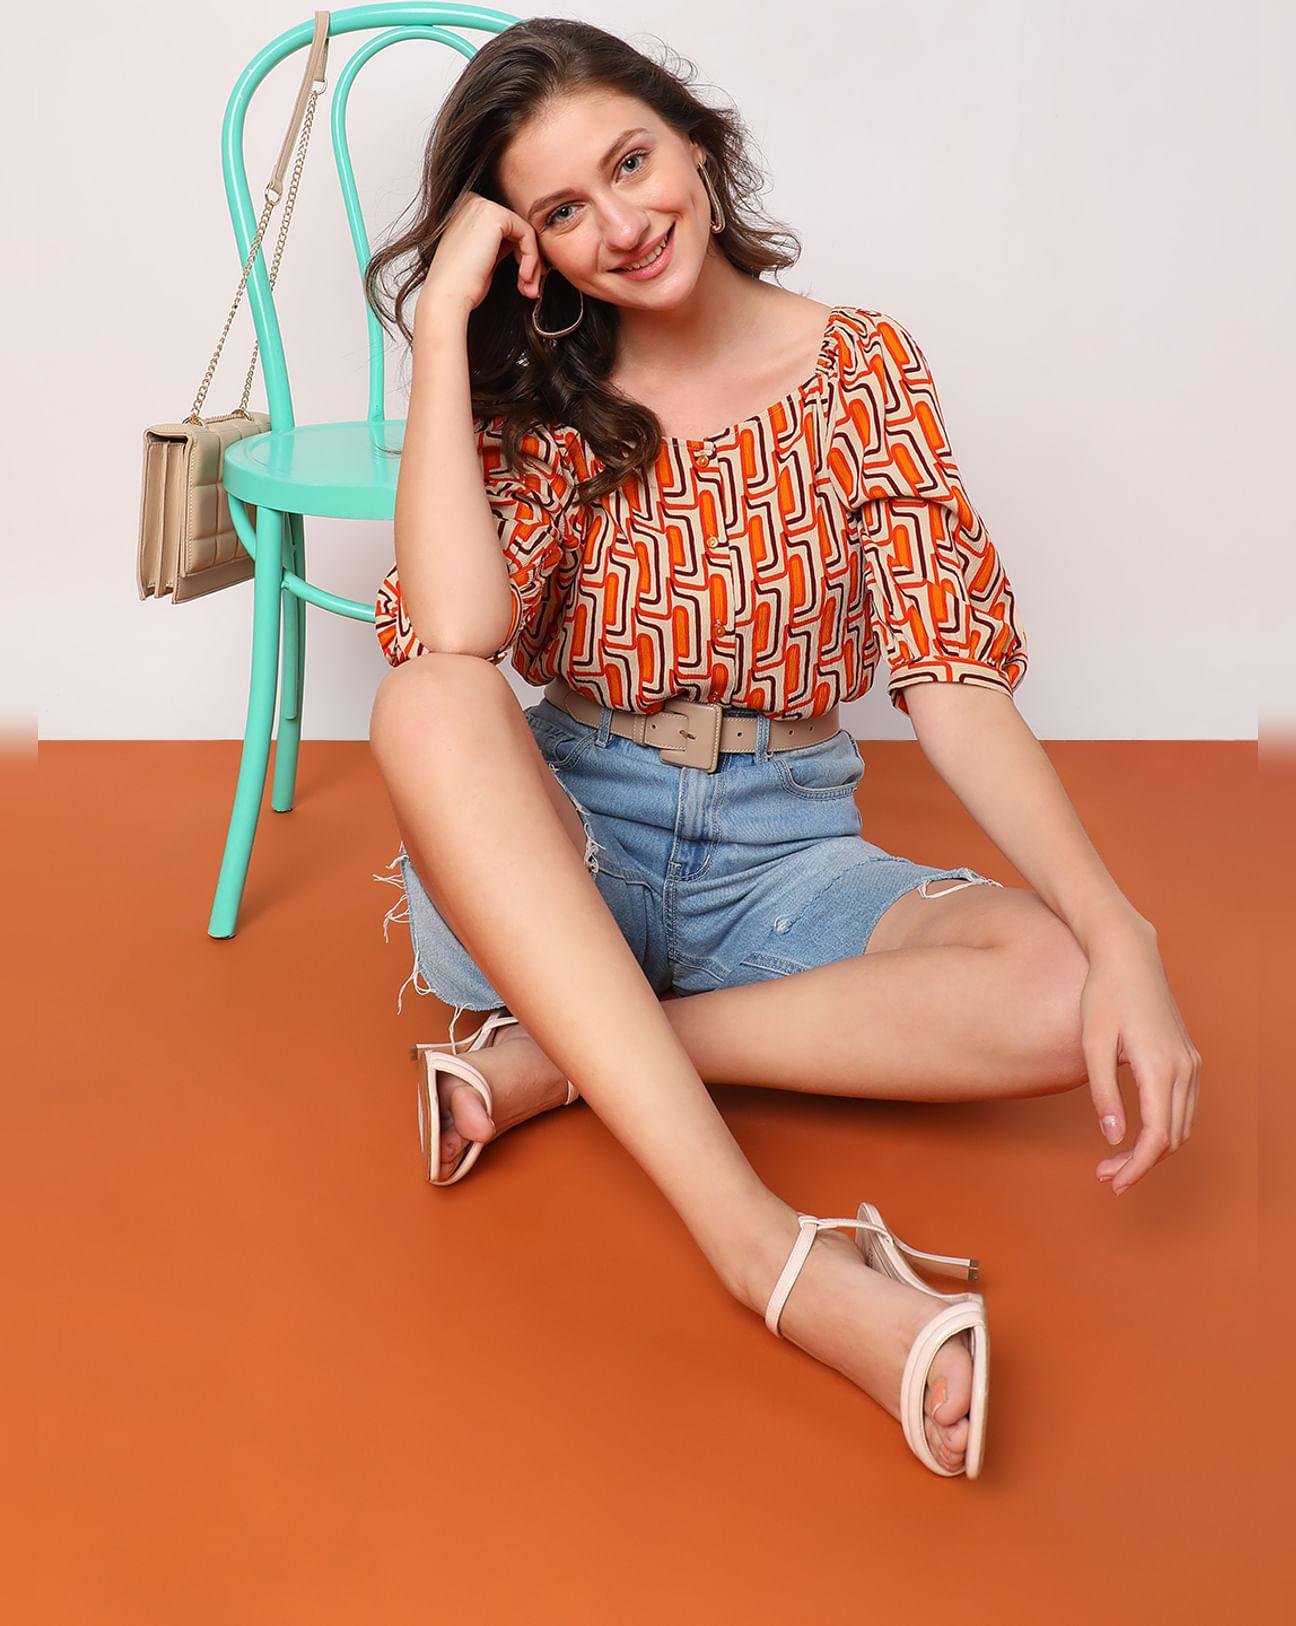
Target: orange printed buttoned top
x,y
767,566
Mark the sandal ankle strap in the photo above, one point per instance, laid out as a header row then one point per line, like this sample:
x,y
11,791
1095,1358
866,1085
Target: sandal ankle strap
x,y
810,1225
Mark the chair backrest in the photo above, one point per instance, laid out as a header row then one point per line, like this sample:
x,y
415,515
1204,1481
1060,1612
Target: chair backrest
x,y
404,20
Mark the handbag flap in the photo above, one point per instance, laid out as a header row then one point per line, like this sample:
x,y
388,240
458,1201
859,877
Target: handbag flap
x,y
188,545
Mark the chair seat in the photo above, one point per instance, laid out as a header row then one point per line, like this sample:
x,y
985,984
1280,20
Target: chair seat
x,y
338,470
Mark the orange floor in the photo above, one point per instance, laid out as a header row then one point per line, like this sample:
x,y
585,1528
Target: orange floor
x,y
256,1370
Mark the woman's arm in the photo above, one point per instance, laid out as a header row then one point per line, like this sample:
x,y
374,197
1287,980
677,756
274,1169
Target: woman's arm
x,y
982,748
454,579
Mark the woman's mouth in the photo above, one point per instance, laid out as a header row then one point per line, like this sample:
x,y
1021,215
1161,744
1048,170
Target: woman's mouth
x,y
655,264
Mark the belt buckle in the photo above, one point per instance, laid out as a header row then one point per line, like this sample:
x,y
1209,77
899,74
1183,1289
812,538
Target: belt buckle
x,y
700,742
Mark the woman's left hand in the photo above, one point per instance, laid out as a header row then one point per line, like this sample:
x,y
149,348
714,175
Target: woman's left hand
x,y
1128,1014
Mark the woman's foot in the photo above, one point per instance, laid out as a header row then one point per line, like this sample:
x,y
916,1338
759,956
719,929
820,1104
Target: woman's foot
x,y
523,1082
863,1323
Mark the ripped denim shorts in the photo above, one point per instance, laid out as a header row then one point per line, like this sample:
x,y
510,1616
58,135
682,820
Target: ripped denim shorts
x,y
753,871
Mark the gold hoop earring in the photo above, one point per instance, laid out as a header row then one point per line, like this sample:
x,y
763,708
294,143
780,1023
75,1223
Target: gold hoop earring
x,y
558,332
716,225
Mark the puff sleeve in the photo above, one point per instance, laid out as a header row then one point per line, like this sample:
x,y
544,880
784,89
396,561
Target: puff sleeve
x,y
938,594
534,509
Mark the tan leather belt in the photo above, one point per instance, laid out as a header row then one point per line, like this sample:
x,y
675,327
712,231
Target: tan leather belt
x,y
692,733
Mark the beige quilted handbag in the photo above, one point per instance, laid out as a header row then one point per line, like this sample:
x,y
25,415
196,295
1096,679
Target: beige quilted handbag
x,y
187,543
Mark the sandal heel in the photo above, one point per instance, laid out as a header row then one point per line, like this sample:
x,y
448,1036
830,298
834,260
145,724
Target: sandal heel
x,y
953,1265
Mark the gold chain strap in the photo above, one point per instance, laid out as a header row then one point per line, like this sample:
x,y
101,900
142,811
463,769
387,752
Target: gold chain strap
x,y
272,196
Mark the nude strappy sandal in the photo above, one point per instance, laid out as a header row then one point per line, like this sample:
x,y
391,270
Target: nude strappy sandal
x,y
429,1101
963,1312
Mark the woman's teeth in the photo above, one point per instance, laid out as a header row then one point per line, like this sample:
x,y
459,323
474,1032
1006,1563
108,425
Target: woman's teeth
x,y
655,255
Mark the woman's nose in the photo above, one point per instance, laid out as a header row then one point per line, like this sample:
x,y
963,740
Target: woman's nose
x,y
623,231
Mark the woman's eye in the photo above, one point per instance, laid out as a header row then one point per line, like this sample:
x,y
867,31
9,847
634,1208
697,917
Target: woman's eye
x,y
553,220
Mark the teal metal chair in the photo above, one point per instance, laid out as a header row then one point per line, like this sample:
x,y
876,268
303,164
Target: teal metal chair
x,y
338,470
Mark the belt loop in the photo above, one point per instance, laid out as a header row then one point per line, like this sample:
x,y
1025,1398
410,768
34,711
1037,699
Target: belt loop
x,y
604,725
762,739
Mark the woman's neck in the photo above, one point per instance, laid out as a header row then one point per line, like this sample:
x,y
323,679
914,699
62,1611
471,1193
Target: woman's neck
x,y
721,318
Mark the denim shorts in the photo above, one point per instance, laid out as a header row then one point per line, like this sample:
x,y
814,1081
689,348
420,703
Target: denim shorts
x,y
754,871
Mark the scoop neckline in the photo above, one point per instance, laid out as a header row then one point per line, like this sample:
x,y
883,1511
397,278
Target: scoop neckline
x,y
820,367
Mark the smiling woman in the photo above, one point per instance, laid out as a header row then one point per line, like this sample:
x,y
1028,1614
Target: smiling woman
x,y
699,509
601,180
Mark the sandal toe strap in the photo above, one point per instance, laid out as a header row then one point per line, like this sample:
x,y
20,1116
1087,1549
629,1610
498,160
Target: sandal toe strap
x,y
944,1325
465,1070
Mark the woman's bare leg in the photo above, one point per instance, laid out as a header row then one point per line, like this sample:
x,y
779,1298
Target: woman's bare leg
x,y
463,772
970,994
947,1021
467,783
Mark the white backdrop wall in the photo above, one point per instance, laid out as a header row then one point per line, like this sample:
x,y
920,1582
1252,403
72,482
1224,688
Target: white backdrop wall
x,y
1074,207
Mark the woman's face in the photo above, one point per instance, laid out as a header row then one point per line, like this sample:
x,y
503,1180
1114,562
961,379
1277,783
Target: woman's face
x,y
602,181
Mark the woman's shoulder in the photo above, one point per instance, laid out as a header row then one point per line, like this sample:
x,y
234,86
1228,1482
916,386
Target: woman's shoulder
x,y
556,446
876,355
867,330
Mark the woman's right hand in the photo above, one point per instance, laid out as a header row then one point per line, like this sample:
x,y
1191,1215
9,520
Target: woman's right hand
x,y
477,236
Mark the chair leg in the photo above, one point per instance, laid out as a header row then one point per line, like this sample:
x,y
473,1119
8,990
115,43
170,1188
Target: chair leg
x,y
268,590
283,787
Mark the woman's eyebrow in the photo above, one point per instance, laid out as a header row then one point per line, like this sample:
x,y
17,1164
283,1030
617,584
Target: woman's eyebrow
x,y
552,197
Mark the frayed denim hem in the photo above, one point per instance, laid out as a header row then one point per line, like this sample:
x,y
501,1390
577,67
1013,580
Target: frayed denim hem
x,y
972,878
395,916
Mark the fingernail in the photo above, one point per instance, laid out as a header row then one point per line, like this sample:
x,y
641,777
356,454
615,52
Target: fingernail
x,y
1111,1128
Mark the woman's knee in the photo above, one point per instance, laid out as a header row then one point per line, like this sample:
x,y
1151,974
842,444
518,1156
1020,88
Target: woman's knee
x,y
440,691
1052,968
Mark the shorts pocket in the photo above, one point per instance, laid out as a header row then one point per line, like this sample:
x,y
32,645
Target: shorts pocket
x,y
823,771
561,739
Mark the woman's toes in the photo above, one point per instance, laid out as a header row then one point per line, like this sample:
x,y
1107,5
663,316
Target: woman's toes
x,y
463,1119
946,1403
948,1446
468,1114
949,1383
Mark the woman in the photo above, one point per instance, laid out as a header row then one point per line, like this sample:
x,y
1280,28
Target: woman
x,y
677,817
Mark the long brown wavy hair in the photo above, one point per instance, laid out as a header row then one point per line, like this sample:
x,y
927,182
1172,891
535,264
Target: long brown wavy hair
x,y
514,373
